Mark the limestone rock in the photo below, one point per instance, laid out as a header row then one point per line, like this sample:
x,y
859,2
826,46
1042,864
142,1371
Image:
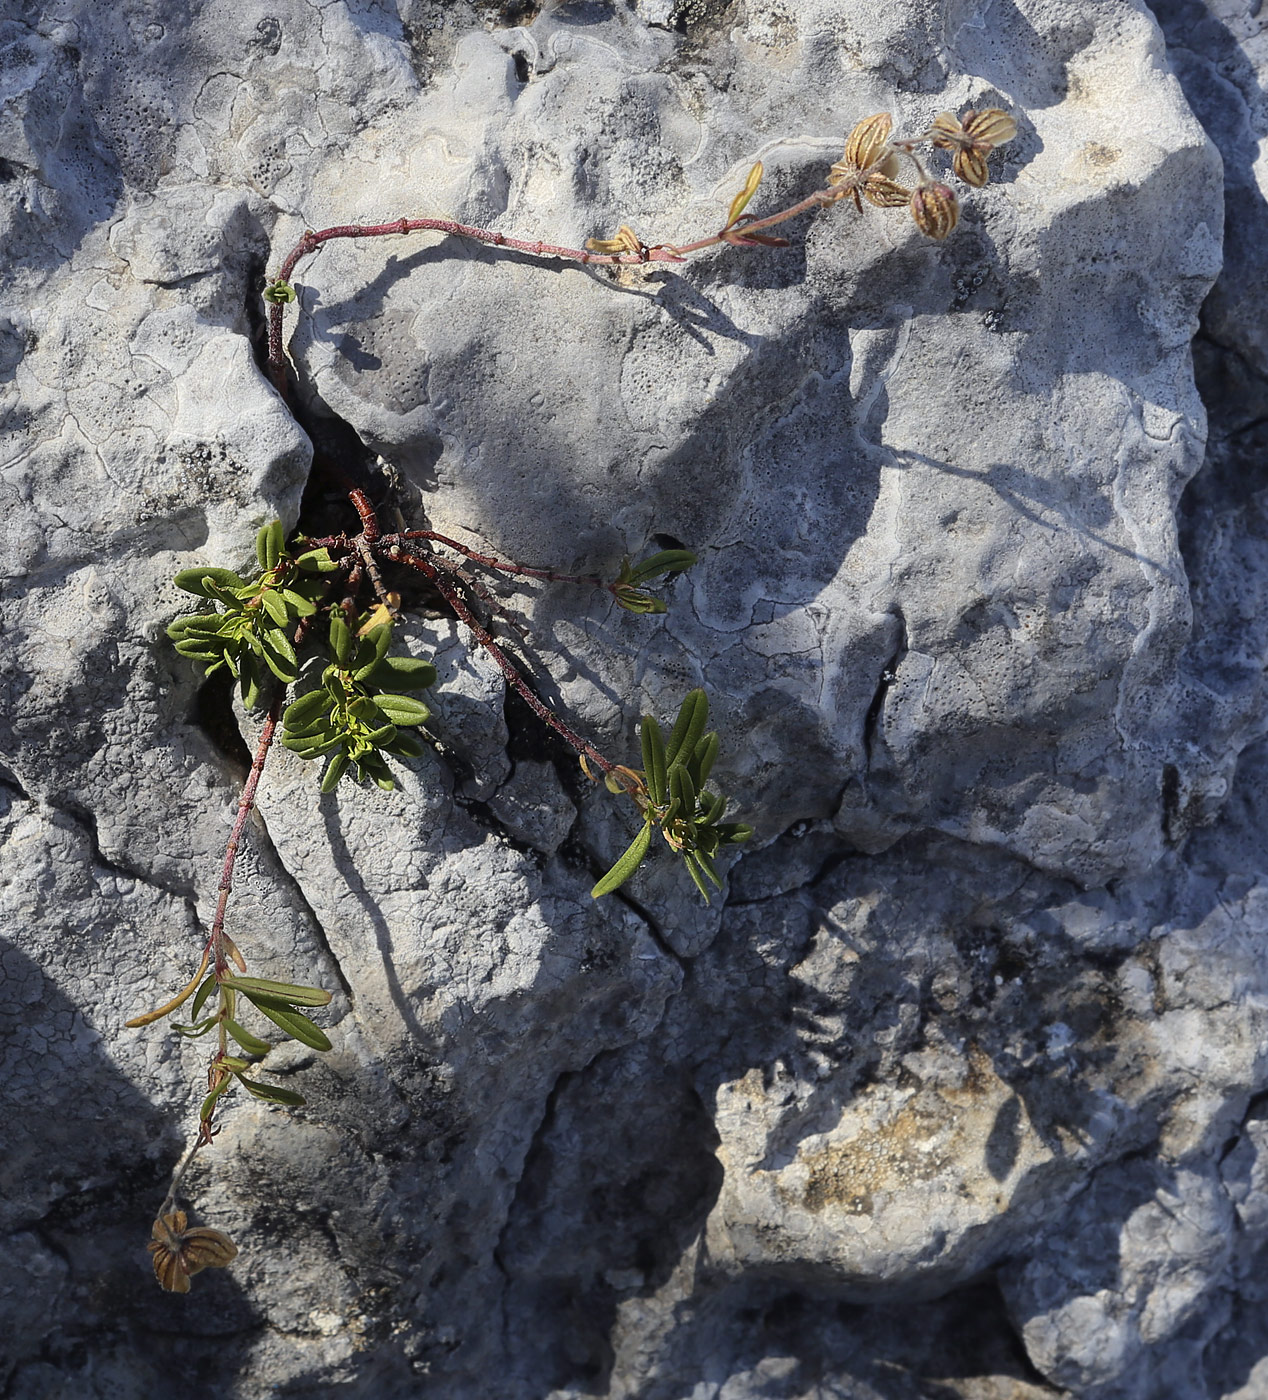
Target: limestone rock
x,y
957,1089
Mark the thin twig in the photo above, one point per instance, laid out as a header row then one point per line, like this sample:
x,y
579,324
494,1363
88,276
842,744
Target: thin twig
x,y
215,940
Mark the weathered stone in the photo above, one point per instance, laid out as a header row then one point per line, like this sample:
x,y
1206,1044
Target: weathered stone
x,y
956,1090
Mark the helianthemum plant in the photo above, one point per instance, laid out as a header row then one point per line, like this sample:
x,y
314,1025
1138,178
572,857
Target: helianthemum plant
x,y
308,639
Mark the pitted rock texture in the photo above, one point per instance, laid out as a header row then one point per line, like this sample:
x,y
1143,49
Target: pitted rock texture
x,y
960,1089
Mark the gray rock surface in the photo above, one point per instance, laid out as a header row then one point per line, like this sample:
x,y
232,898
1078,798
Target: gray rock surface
x,y
959,1092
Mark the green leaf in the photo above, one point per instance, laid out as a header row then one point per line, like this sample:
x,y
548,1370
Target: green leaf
x,y
298,604
197,651
740,202
372,650
402,673
340,637
701,762
209,1103
252,1044
193,1031
306,710
683,790
688,727
312,745
270,545
713,804
275,605
279,293
668,561
406,746
317,561
249,683
294,1023
402,709
279,655
334,771
199,580
693,869
733,833
272,1093
653,759
626,865
634,600
200,997
296,992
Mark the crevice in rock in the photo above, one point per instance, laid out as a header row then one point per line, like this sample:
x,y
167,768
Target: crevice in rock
x,y
889,673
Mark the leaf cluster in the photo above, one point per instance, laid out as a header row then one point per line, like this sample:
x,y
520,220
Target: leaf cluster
x,y
253,636
280,1003
359,712
628,590
671,794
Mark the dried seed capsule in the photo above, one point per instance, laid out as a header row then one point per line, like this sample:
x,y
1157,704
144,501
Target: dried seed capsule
x,y
935,209
868,143
885,193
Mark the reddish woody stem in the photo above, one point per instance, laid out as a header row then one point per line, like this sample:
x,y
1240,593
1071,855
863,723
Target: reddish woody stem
x,y
505,664
216,939
490,562
656,253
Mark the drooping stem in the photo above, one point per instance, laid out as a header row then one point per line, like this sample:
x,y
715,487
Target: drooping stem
x,y
490,562
216,940
653,253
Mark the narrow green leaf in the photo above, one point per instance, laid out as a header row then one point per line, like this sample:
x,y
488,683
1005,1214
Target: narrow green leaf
x,y
306,710
693,869
298,604
688,727
272,1093
252,1044
279,655
340,637
297,992
713,805
701,763
294,1023
372,650
734,832
402,709
653,759
627,865
209,1103
194,1030
682,790
196,651
199,580
275,605
316,561
270,544
334,771
312,745
402,673
200,997
406,746
668,561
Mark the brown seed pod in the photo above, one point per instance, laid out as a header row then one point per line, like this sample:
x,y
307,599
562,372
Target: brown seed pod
x,y
885,193
180,1252
867,145
935,209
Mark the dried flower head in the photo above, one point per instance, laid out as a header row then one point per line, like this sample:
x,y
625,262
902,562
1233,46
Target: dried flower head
x,y
869,163
180,1252
972,138
935,209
